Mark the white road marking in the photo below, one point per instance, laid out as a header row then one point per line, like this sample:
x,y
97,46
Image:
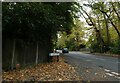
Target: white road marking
x,y
107,70
115,73
118,77
109,74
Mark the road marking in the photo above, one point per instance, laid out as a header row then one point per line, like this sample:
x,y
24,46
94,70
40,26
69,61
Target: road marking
x,y
118,77
106,70
115,73
110,73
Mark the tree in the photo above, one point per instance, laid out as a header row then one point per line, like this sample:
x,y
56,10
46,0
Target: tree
x,y
90,21
100,7
37,22
75,39
106,14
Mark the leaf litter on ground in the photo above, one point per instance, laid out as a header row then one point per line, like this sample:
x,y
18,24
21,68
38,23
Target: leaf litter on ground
x,y
53,71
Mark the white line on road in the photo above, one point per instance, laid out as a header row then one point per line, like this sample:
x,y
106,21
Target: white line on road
x,y
115,73
109,73
112,72
117,77
106,70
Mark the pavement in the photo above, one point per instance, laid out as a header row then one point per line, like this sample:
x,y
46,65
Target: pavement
x,y
93,67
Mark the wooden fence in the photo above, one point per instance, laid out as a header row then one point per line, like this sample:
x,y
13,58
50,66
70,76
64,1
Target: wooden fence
x,y
23,53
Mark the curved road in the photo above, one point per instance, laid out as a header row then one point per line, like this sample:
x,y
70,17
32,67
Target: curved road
x,y
94,67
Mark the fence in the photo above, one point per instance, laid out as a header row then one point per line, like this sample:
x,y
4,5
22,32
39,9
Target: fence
x,y
24,53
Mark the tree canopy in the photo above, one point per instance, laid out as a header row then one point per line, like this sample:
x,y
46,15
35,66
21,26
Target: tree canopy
x,y
37,21
103,18
102,30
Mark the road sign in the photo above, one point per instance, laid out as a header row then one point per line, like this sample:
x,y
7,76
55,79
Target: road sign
x,y
54,54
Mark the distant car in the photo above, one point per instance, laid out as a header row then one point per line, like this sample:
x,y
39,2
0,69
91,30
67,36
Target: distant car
x,y
65,50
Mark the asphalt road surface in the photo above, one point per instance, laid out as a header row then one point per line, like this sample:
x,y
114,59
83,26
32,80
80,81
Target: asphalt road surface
x,y
94,67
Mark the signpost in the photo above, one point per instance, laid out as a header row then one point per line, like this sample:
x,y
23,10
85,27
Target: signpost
x,y
54,55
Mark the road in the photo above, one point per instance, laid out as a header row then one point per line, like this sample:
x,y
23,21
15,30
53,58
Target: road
x,y
94,67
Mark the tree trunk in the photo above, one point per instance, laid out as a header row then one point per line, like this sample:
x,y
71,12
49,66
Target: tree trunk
x,y
98,34
37,53
118,15
24,54
111,23
13,54
114,26
107,31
